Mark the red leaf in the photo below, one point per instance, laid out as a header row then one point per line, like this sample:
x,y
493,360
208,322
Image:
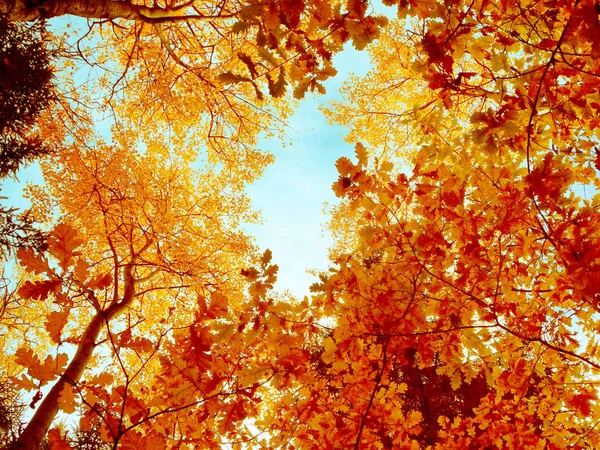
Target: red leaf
x,y
56,442
235,415
212,384
437,80
39,290
582,403
100,282
434,50
551,179
291,11
548,44
433,174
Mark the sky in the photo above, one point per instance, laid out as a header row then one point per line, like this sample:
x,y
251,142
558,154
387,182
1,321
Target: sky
x,y
292,192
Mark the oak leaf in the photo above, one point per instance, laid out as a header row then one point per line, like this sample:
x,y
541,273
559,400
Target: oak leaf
x,y
33,262
39,290
100,282
361,154
23,383
62,241
56,441
218,305
291,11
55,322
81,269
68,399
232,78
44,372
271,17
344,166
102,379
266,257
277,88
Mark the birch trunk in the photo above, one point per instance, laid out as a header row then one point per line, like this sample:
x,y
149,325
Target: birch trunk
x,y
26,10
41,421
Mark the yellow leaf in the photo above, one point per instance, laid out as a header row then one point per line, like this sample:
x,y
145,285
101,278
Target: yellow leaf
x,y
414,418
361,153
344,166
67,399
330,348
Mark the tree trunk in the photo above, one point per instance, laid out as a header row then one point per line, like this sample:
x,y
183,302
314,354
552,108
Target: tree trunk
x,y
41,421
26,10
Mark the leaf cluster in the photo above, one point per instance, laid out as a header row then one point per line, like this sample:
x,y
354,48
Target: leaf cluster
x,y
26,83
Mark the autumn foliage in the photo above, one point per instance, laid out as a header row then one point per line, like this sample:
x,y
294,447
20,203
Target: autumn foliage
x,y
461,307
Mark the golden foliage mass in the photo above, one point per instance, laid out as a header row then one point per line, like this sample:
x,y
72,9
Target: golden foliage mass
x,y
462,306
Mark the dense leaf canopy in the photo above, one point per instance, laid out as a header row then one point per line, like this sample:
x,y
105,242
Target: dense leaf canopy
x,y
461,306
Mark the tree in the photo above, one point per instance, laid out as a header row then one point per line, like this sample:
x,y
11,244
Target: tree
x,y
141,277
461,310
130,229
26,86
462,307
11,411
26,83
208,64
455,324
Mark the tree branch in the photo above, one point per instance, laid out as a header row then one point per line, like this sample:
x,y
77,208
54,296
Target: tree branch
x,y
44,416
378,378
23,10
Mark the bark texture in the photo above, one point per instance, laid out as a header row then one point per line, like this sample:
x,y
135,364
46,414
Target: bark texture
x,y
26,10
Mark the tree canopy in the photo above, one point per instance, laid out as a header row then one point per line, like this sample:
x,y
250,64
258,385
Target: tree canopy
x,y
461,306
26,86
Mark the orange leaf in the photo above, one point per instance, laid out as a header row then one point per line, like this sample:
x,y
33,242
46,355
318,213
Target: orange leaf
x,y
39,290
55,322
62,242
340,186
344,166
100,282
23,383
81,270
140,345
33,263
56,442
67,399
45,372
102,379
154,442
271,19
266,257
